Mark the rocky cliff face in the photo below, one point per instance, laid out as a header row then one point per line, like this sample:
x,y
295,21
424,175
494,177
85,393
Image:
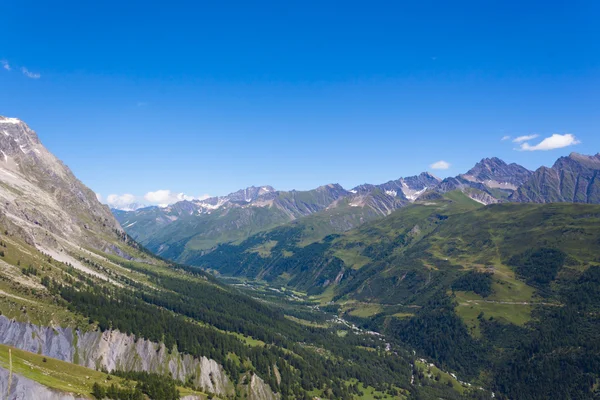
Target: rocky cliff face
x,y
495,173
575,178
405,188
41,198
22,388
491,180
257,389
113,350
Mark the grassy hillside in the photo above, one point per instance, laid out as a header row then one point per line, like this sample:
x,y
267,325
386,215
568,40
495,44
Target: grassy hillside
x,y
479,289
301,256
187,308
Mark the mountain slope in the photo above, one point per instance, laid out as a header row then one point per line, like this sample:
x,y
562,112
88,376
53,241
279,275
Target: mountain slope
x,y
283,255
479,289
42,198
571,179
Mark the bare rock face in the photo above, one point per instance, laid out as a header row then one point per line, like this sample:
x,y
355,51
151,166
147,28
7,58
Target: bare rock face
x,y
404,188
491,180
42,199
575,178
495,173
257,389
22,388
113,350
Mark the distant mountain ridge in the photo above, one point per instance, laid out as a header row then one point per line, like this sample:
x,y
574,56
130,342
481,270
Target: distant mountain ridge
x,y
187,229
199,225
571,179
490,181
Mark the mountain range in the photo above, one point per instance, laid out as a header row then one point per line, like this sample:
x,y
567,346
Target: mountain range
x,y
187,229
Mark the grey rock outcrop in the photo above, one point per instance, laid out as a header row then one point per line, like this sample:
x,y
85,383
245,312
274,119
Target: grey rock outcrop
x,y
257,389
575,178
113,350
42,199
495,173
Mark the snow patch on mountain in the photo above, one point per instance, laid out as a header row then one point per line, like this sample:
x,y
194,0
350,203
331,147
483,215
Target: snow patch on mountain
x,y
4,120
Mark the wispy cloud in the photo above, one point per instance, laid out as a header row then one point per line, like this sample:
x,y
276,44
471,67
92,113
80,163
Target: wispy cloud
x,y
120,201
505,138
99,197
162,198
440,165
525,138
29,74
165,197
5,65
556,141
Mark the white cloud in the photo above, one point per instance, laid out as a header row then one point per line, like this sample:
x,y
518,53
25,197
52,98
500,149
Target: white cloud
x,y
505,138
5,65
99,197
556,141
120,201
440,165
525,138
165,197
30,74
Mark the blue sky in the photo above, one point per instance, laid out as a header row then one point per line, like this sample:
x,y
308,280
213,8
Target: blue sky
x,y
206,98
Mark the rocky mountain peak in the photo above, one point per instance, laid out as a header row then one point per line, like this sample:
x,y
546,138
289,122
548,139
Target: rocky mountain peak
x,y
336,187
571,179
249,194
487,164
428,175
589,161
41,196
16,138
495,173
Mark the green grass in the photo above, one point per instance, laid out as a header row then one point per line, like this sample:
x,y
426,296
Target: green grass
x,y
287,253
250,341
324,298
402,315
461,199
63,376
352,258
306,322
365,310
471,305
53,373
432,371
264,249
369,393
